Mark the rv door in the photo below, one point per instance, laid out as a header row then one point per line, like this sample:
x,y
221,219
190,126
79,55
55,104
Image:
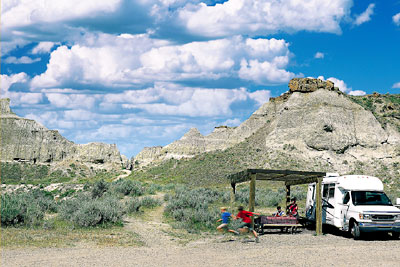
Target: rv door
x,y
328,203
345,210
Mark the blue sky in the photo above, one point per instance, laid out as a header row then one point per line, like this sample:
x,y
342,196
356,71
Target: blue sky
x,y
142,73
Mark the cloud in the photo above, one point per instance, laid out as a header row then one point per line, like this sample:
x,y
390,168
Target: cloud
x,y
396,19
343,86
232,122
319,55
26,12
365,16
172,99
43,48
20,98
21,60
127,60
396,85
357,93
260,17
59,100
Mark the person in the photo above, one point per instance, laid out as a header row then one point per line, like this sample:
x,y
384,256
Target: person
x,y
225,216
246,220
293,209
279,212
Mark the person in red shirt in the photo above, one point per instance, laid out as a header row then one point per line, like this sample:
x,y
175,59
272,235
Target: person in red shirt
x,y
246,220
293,208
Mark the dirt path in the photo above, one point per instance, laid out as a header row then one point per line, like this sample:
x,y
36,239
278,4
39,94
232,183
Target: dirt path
x,y
126,173
150,227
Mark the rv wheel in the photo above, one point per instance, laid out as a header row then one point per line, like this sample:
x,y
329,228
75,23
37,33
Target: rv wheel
x,y
395,235
355,231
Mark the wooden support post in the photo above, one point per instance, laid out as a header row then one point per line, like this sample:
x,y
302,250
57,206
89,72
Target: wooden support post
x,y
287,196
233,197
252,197
318,208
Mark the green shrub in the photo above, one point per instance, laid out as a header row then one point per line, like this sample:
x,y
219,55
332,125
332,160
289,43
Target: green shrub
x,y
264,197
153,188
132,205
25,208
190,208
128,187
84,211
99,188
150,202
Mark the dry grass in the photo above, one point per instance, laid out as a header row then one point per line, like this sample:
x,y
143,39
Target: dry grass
x,y
65,236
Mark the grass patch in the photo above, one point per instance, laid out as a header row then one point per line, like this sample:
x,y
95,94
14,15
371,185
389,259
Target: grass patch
x,y
59,234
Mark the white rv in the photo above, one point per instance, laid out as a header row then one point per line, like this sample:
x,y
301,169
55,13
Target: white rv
x,y
355,203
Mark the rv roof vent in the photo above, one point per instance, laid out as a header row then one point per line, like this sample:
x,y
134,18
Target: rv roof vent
x,y
332,174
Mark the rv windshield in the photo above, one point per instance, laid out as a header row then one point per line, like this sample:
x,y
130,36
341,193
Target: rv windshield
x,y
370,198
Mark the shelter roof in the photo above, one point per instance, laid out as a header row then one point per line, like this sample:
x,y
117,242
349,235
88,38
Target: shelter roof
x,y
287,176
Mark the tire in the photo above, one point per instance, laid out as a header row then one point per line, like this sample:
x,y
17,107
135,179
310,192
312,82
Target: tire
x,y
395,235
355,231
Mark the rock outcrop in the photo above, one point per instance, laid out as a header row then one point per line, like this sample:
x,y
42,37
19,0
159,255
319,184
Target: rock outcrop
x,y
25,140
314,126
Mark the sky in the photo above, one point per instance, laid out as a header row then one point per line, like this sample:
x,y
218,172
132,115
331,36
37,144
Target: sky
x,y
142,73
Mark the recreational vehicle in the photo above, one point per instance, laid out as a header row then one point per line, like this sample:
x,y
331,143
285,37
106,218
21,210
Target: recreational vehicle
x,y
355,203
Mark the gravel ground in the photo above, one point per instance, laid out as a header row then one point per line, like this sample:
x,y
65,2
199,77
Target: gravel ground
x,y
274,249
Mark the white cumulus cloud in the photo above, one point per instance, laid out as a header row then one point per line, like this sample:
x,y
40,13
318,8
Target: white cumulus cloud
x,y
137,59
18,97
396,19
396,85
319,55
264,16
343,86
365,16
43,48
21,60
172,99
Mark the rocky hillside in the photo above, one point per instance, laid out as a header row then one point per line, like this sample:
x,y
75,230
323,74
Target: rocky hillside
x,y
312,127
24,141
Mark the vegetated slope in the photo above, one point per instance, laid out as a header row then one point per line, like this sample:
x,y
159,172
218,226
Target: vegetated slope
x,y
314,129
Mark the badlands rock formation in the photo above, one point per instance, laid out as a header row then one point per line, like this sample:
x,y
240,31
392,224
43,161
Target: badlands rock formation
x,y
314,124
24,140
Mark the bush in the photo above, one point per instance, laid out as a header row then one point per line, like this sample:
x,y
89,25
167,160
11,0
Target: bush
x,y
128,187
190,208
25,208
149,202
99,188
85,212
264,197
132,205
153,188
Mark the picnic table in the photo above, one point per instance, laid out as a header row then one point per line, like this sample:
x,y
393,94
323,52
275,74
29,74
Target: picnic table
x,y
284,223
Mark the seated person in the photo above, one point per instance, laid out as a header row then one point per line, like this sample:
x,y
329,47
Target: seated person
x,y
279,212
293,208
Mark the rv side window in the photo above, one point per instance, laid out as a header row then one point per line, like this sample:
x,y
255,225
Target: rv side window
x,y
332,191
325,191
329,191
346,198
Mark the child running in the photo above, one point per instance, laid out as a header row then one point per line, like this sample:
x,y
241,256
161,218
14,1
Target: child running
x,y
225,216
246,220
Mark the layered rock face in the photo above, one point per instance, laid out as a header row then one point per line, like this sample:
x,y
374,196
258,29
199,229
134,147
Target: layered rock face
x,y
28,141
314,123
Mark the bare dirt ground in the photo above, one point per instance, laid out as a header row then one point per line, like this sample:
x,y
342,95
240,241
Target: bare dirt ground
x,y
161,247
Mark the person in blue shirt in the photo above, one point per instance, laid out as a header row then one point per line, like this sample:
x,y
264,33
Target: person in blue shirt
x,y
279,212
225,217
